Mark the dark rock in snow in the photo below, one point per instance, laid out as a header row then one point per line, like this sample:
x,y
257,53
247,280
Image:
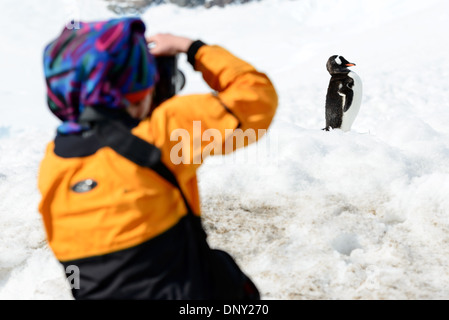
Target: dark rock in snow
x,y
138,6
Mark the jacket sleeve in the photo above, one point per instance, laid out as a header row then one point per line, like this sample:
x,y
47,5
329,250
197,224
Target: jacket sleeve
x,y
191,127
246,93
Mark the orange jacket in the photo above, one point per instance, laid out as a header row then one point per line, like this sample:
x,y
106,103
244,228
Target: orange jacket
x,y
132,204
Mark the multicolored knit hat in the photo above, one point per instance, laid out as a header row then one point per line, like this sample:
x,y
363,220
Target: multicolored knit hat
x,y
105,64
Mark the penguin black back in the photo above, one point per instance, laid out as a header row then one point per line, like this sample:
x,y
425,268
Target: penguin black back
x,y
343,94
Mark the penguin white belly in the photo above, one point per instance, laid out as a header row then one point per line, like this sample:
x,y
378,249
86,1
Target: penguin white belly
x,y
350,115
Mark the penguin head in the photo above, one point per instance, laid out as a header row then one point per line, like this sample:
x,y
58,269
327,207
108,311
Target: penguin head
x,y
338,64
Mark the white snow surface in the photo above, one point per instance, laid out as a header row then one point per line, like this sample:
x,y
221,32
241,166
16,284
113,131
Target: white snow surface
x,y
307,214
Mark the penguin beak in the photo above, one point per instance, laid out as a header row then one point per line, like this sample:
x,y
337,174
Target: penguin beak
x,y
350,64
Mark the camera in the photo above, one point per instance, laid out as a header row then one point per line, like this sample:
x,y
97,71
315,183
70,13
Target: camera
x,y
170,81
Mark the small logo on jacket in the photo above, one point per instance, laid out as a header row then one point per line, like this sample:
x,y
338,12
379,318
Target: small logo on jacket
x,y
84,186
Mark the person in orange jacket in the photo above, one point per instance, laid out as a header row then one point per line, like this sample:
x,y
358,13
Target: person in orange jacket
x,y
115,203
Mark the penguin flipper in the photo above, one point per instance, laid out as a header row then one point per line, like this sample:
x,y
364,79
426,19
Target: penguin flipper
x,y
348,93
348,102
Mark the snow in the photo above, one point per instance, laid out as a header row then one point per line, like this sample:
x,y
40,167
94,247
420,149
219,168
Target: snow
x,y
308,214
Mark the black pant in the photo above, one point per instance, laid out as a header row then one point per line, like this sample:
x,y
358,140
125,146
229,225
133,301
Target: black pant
x,y
176,265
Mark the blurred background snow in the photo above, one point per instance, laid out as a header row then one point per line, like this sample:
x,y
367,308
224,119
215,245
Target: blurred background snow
x,y
308,214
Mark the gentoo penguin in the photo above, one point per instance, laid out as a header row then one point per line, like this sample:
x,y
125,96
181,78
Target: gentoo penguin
x,y
344,94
